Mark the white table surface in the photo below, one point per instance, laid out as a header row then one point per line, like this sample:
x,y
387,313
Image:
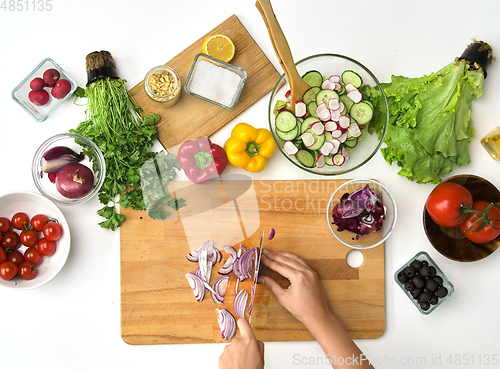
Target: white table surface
x,y
74,321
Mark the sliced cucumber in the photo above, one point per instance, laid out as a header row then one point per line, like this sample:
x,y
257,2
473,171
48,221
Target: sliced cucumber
x,y
361,112
324,96
306,158
310,95
286,121
288,136
311,109
329,160
352,77
348,103
318,140
306,124
313,78
351,143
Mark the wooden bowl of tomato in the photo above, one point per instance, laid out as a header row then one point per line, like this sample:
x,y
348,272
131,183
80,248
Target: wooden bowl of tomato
x,y
447,229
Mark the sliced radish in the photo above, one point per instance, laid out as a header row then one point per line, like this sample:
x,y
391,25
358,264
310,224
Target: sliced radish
x,y
334,78
335,115
326,148
338,86
300,109
341,108
290,148
355,96
337,133
283,108
344,121
328,85
345,153
288,94
338,159
318,128
333,104
323,112
330,126
354,130
348,87
336,146
343,137
308,139
320,161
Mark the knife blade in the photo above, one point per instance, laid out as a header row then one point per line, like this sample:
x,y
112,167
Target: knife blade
x,y
256,276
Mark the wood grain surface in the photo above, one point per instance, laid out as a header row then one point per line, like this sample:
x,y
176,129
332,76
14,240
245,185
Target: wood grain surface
x,y
192,117
157,304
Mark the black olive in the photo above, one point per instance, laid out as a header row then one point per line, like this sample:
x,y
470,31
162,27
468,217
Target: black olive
x,y
431,285
433,300
442,292
424,271
409,286
409,271
415,293
417,264
425,305
424,296
432,271
425,263
418,281
438,280
402,278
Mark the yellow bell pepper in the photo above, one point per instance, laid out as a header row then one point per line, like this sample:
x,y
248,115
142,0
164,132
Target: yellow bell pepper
x,y
249,147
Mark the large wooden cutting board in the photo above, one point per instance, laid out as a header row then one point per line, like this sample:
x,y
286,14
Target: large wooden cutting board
x,y
157,304
192,117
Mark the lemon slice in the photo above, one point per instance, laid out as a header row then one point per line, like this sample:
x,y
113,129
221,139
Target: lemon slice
x,y
220,47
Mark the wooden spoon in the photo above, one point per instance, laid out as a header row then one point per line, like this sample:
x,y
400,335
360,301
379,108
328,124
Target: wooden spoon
x,y
297,85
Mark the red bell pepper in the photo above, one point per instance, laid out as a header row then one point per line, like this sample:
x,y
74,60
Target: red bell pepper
x,y
201,159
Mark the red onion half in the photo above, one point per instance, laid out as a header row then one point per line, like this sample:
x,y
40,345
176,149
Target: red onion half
x,y
227,324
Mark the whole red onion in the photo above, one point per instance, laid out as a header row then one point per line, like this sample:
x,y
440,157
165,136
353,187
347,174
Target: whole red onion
x,y
74,181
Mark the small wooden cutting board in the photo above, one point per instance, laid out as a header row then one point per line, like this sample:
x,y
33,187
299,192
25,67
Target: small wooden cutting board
x,y
192,117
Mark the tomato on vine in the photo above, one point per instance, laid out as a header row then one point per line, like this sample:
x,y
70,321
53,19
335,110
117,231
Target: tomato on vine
x,y
46,247
5,225
482,223
52,231
445,203
39,221
33,255
8,270
27,270
20,220
29,237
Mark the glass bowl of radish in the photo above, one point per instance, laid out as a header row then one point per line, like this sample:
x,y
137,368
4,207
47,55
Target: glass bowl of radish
x,y
68,169
361,213
335,129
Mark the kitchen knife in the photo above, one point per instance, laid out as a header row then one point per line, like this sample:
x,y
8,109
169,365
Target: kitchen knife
x,y
256,276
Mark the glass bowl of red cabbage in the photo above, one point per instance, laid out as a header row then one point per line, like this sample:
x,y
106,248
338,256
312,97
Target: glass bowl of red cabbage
x,y
361,213
68,169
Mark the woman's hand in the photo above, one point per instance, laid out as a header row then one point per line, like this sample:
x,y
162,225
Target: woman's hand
x,y
244,352
304,298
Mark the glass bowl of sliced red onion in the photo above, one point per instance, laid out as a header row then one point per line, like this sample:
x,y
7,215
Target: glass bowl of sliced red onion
x,y
335,129
68,169
361,213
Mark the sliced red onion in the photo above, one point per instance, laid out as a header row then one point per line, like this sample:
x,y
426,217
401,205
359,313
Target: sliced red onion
x,y
240,303
245,264
228,266
219,289
227,324
272,232
250,307
57,157
208,246
216,256
197,286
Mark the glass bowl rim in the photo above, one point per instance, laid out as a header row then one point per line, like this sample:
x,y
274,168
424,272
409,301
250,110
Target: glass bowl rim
x,y
36,160
383,239
381,140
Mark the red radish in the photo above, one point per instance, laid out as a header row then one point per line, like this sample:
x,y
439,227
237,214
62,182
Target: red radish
x,y
354,130
355,96
323,112
344,121
308,139
328,85
50,76
341,108
338,86
326,148
39,98
349,87
343,137
320,161
288,95
330,126
37,84
335,115
336,146
338,159
333,104
290,148
334,78
61,88
300,109
336,133
318,128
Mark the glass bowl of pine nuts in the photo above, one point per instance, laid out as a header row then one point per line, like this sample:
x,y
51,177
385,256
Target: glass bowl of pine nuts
x,y
163,85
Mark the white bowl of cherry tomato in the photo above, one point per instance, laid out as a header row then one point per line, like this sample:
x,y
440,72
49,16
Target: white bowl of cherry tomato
x,y
35,240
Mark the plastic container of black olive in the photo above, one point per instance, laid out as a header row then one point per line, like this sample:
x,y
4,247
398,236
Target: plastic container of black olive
x,y
433,275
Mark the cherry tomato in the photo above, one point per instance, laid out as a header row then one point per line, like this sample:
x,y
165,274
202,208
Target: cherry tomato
x,y
5,225
20,220
487,233
46,247
10,241
29,238
15,256
3,256
39,221
27,270
33,255
52,231
8,270
445,201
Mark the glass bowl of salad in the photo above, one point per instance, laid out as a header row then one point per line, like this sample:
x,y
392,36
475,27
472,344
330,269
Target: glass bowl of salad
x,y
361,213
336,128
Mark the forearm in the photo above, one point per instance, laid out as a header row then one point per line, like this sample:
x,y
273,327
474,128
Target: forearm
x,y
336,343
